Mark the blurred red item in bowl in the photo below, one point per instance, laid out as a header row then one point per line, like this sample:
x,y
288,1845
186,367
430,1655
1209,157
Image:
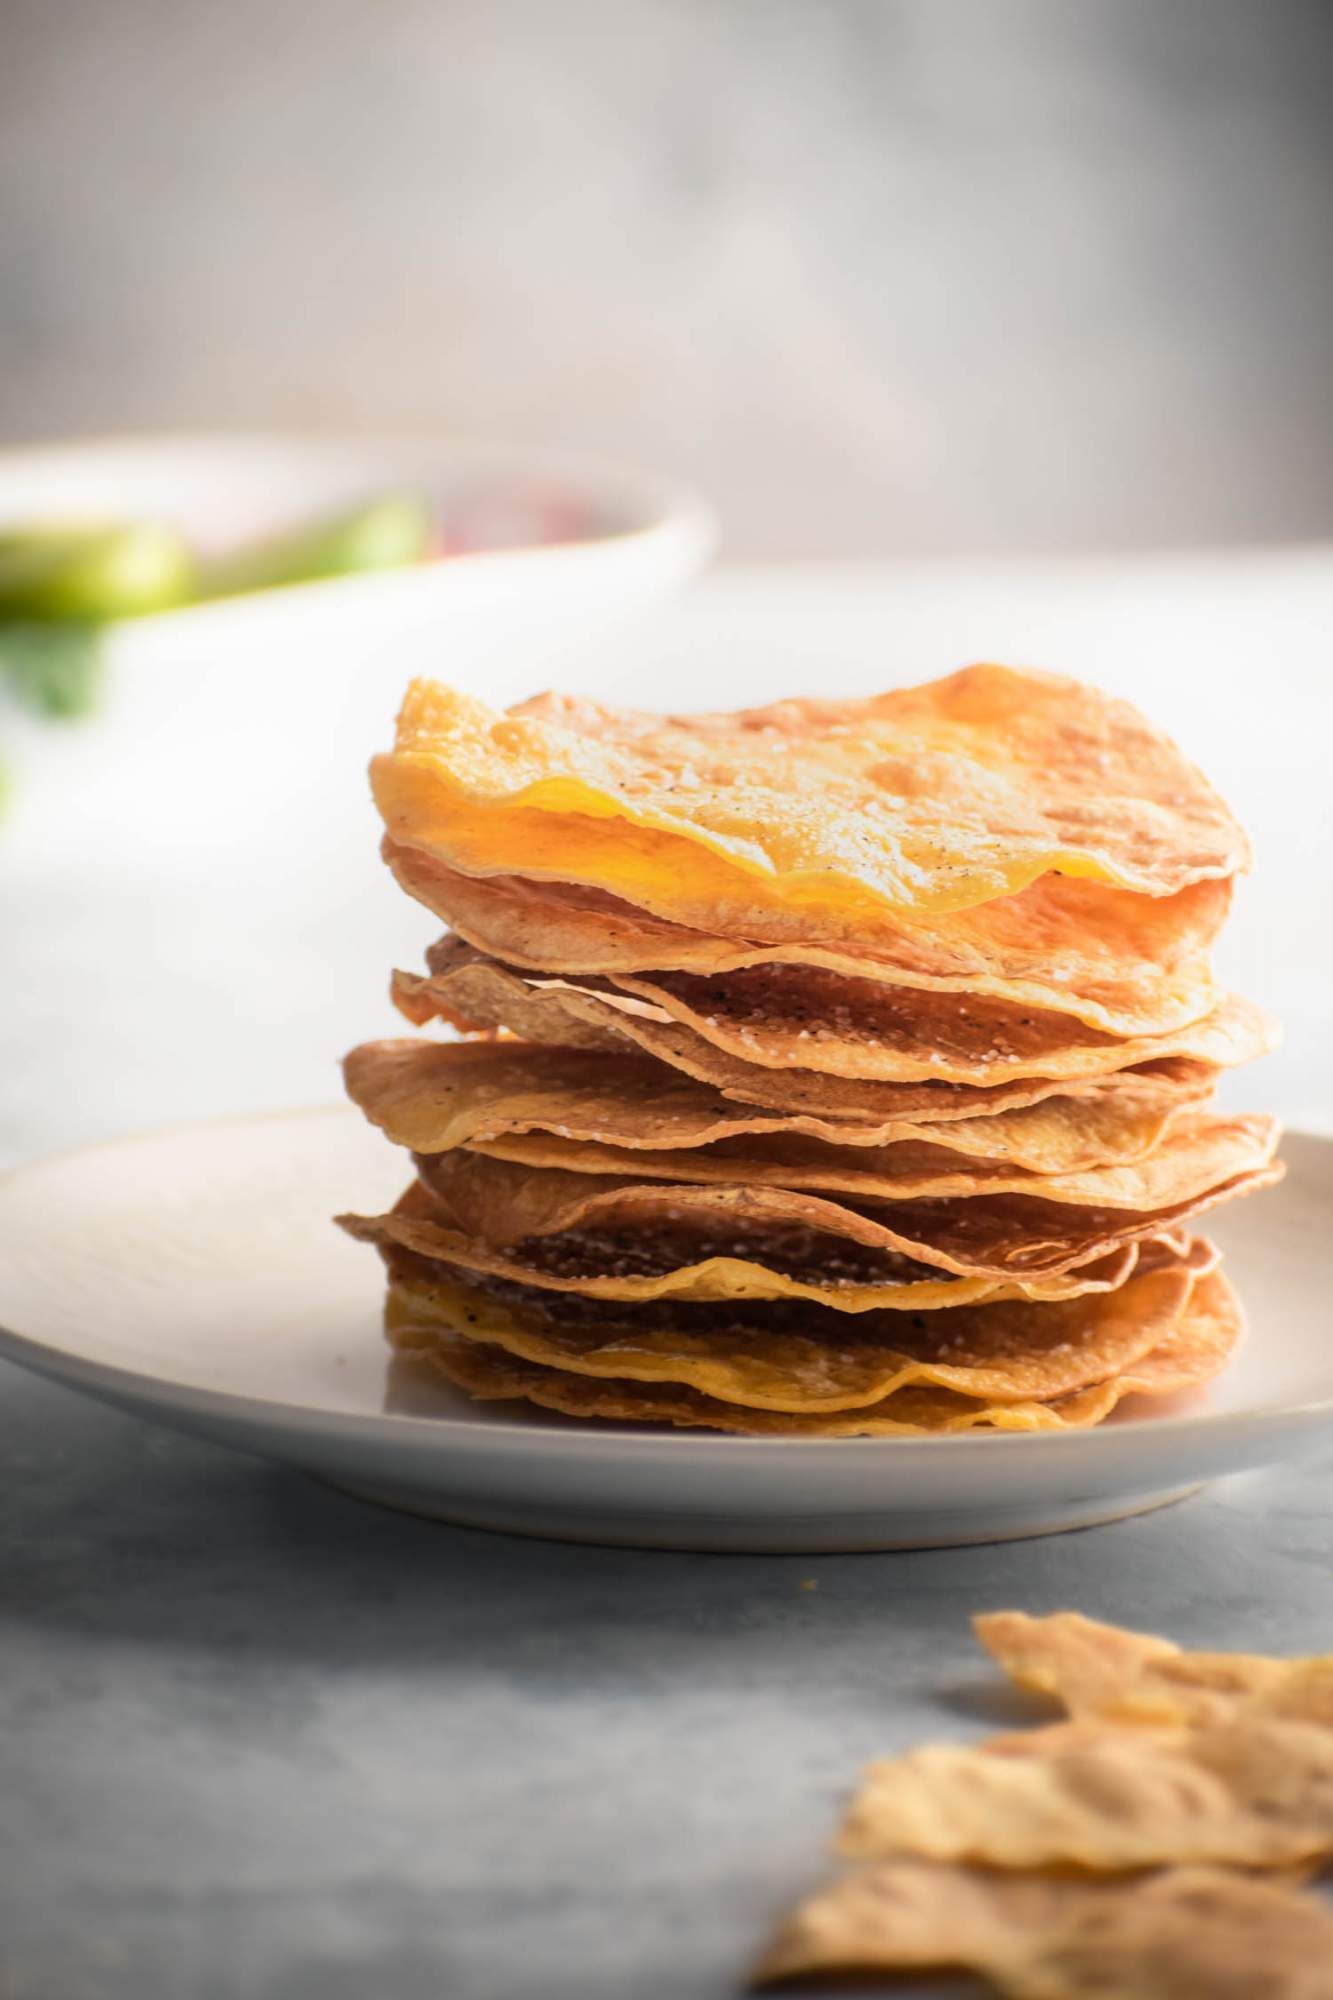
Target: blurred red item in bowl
x,y
513,516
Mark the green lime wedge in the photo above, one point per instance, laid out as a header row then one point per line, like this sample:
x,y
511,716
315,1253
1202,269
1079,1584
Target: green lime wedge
x,y
383,534
92,571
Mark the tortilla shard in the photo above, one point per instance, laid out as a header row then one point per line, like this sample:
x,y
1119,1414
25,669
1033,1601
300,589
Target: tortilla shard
x,y
925,799
1125,963
1091,1669
1254,1792
1177,1935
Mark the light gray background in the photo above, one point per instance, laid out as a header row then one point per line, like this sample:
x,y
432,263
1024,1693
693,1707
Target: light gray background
x,y
882,276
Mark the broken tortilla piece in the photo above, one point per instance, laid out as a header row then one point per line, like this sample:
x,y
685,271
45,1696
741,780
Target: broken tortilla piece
x,y
1091,1668
1183,1934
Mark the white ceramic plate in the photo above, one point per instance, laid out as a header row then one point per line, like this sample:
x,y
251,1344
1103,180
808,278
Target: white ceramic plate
x,y
193,1276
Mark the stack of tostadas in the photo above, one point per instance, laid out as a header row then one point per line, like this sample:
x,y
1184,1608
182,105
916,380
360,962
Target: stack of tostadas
x,y
839,1068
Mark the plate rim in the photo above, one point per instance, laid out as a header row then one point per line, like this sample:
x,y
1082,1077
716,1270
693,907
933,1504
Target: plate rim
x,y
135,1387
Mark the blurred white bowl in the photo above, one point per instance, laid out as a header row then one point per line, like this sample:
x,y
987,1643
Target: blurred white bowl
x,y
610,539
241,727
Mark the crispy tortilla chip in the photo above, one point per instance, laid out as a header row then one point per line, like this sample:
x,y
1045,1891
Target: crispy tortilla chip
x,y
1183,1934
1195,1152
689,1263
1198,1347
1125,963
1252,1792
809,1025
489,1372
1016,1237
1079,1661
780,1017
1091,1668
433,1096
811,1361
478,996
926,799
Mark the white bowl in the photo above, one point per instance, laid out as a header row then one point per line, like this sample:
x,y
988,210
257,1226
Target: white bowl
x,y
468,614
231,732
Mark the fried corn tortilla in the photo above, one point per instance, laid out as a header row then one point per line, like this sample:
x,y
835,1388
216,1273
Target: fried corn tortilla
x,y
844,1068
1091,1668
434,1096
489,1372
477,996
811,1360
1178,1935
922,800
1122,962
790,1016
811,1026
690,1262
1194,1152
1200,1344
503,1202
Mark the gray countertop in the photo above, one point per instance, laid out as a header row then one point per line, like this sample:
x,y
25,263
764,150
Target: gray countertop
x,y
261,1742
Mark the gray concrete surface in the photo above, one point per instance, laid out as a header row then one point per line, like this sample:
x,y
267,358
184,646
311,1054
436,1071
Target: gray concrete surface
x,y
258,1742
